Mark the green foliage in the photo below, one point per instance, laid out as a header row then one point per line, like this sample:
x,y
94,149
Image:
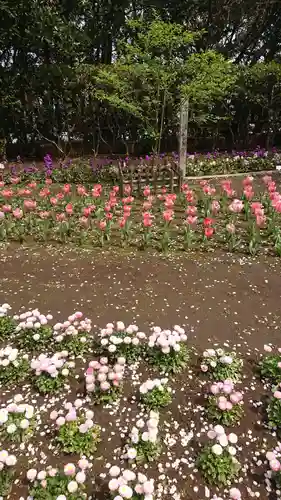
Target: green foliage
x,y
269,368
25,338
147,451
277,479
20,435
73,344
142,80
47,384
221,371
130,351
156,398
223,417
6,481
56,486
173,362
217,470
71,440
47,96
16,371
209,76
274,414
105,397
7,327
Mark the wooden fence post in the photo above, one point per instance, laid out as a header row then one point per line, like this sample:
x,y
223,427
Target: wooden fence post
x,y
155,178
131,178
183,135
139,182
121,180
171,179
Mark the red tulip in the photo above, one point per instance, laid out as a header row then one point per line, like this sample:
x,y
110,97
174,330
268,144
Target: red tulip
x,y
208,232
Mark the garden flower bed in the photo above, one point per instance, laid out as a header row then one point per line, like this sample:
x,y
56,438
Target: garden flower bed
x,y
202,217
87,438
102,169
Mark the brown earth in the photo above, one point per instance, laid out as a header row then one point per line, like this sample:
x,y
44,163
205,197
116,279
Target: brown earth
x,y
218,298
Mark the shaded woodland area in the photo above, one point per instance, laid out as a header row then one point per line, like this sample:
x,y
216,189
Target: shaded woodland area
x,y
104,77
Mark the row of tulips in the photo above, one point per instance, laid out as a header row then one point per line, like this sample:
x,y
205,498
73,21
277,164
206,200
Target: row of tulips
x,y
197,218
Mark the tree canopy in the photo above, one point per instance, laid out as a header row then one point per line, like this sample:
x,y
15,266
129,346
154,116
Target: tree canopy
x,y
108,76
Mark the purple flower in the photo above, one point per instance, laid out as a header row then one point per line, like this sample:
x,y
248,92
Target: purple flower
x,y
48,163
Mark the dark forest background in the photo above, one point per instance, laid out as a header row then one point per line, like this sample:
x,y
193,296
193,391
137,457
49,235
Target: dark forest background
x,y
108,76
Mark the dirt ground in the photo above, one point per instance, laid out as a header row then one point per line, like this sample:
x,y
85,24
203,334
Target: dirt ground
x,y
219,299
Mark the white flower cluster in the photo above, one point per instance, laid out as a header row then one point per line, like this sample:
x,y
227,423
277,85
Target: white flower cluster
x,y
74,326
149,385
167,340
23,410
224,441
128,484
6,459
69,470
32,320
9,355
149,435
4,310
102,376
215,356
113,336
53,366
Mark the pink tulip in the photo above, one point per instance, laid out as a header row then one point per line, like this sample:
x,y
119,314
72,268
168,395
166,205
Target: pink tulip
x,y
29,204
208,190
248,192
122,222
18,213
69,209
248,181
7,193
60,217
236,206
191,220
191,210
53,200
168,215
215,206
81,190
260,220
6,208
127,189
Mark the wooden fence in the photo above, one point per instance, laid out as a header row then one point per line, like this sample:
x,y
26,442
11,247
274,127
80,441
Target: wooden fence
x,y
155,176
